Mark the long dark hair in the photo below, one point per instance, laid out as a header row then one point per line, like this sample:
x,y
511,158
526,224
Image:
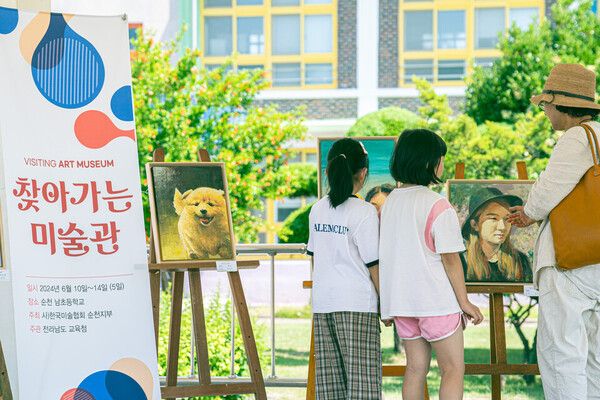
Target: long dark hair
x,y
346,158
417,154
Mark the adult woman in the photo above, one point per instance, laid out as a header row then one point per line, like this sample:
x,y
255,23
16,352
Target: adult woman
x,y
490,255
568,345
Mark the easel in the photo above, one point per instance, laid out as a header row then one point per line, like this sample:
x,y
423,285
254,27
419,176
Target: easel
x,y
5,391
205,387
498,360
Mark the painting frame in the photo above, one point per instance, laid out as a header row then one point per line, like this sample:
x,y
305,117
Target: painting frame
x,y
375,164
470,197
191,176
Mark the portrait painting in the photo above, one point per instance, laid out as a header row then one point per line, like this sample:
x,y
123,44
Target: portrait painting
x,y
190,211
379,181
496,252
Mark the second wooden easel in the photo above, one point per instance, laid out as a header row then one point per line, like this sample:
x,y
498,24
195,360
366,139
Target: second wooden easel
x,y
205,387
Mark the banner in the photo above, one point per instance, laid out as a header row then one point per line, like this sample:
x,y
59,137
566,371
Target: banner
x,y
75,245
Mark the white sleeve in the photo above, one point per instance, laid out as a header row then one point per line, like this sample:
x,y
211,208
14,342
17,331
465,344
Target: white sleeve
x,y
446,233
569,161
366,238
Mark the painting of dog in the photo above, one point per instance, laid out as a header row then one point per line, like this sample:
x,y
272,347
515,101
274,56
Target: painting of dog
x,y
203,226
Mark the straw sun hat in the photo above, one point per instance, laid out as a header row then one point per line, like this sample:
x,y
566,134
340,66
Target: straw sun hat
x,y
570,85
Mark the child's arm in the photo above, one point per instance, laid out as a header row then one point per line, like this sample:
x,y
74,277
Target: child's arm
x,y
455,273
374,271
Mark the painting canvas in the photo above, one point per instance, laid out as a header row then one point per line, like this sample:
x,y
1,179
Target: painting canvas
x,y
191,215
496,251
380,149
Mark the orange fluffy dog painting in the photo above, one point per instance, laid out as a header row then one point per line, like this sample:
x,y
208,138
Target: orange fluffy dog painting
x,y
203,225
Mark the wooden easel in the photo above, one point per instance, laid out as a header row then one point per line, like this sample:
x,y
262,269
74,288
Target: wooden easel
x,y
498,365
5,391
205,387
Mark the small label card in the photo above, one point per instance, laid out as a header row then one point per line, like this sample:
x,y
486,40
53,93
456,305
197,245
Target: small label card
x,y
4,275
530,291
227,266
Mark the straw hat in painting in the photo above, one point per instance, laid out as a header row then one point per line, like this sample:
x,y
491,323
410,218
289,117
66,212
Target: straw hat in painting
x,y
570,85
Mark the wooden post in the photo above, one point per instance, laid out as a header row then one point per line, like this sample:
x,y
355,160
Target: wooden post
x,y
205,386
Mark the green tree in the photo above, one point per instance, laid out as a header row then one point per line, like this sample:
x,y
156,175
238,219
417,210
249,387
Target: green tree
x,y
502,92
390,121
182,108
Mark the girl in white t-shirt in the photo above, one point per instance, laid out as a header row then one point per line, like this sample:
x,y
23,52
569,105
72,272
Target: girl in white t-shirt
x,y
422,283
344,239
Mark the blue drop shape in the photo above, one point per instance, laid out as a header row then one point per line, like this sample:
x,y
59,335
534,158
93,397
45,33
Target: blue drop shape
x,y
67,70
121,104
112,385
9,17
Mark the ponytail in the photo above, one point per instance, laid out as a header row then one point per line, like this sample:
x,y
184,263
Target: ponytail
x,y
346,158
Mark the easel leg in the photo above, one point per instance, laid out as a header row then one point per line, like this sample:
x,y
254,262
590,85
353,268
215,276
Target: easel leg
x,y
497,340
175,329
199,327
310,382
247,334
155,294
5,391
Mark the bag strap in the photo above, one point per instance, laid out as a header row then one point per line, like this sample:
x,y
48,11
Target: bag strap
x,y
590,132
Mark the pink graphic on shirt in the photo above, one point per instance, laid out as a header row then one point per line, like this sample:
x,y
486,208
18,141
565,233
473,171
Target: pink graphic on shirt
x,y
438,207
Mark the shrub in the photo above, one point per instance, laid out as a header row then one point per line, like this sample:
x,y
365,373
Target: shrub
x,y
295,226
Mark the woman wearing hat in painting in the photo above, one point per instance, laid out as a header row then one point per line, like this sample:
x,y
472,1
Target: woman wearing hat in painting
x,y
490,255
568,341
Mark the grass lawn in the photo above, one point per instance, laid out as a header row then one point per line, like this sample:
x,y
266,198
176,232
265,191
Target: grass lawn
x,y
293,341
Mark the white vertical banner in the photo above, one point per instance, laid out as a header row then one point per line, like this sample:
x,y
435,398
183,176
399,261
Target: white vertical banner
x,y
75,240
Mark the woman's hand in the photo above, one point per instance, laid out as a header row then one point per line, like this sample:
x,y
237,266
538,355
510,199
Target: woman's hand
x,y
518,218
388,322
472,312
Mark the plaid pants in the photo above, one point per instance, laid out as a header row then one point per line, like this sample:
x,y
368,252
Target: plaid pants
x,y
347,356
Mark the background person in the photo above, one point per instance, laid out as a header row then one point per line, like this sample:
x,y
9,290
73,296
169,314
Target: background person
x,y
568,341
422,283
490,255
344,243
377,195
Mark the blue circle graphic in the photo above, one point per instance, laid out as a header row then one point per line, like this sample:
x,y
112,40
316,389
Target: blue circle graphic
x,y
121,104
113,385
9,17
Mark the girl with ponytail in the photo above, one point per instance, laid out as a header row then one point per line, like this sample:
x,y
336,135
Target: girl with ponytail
x,y
344,244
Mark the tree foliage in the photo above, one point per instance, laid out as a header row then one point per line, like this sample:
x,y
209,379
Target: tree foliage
x,y
182,108
502,92
388,121
294,180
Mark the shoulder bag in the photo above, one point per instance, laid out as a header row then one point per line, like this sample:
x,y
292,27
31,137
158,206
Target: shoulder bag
x,y
575,220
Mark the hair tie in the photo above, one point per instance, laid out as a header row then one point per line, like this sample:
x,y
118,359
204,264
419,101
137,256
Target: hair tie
x,y
342,155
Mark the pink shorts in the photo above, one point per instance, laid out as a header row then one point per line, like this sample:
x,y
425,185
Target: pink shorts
x,y
429,328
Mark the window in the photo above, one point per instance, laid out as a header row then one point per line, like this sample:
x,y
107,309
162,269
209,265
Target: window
x,y
134,29
418,30
522,17
421,68
286,74
217,3
307,2
311,158
451,30
485,63
451,70
250,35
249,2
286,2
318,74
249,67
286,34
218,36
286,206
489,22
318,34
